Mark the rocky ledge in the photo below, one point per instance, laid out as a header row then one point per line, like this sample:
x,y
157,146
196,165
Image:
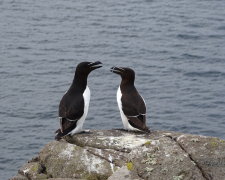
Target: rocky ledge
x,y
122,155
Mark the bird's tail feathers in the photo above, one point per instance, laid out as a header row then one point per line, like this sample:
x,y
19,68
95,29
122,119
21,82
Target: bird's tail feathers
x,y
147,130
57,131
59,135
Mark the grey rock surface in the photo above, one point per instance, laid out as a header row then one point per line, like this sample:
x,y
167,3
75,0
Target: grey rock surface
x,y
122,155
124,174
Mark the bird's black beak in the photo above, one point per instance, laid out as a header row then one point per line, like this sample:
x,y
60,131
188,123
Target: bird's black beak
x,y
95,65
117,70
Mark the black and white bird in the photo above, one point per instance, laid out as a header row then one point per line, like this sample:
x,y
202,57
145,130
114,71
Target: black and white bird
x,y
131,104
73,107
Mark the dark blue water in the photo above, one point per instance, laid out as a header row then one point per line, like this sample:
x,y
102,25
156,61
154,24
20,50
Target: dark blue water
x,y
177,49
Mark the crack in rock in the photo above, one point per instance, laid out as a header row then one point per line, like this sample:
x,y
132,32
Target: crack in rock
x,y
125,150
98,155
204,175
109,160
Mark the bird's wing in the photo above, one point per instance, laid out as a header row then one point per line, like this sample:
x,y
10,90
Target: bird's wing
x,y
133,104
70,111
135,111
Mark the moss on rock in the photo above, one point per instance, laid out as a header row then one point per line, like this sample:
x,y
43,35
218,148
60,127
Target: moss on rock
x,y
130,166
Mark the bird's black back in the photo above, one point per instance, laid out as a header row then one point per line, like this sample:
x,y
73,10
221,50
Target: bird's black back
x,y
132,102
72,106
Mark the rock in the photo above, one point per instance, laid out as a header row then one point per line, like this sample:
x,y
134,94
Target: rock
x,y
65,160
19,177
64,179
33,170
208,154
124,174
122,155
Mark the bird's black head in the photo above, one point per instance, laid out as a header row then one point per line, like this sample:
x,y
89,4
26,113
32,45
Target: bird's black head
x,y
127,74
86,67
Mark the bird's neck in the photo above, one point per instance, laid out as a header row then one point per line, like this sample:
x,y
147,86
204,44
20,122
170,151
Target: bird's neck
x,y
127,85
79,83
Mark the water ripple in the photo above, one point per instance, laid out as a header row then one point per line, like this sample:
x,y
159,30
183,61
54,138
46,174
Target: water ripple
x,y
205,74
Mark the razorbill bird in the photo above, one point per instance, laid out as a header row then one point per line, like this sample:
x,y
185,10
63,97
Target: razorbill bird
x,y
131,104
73,107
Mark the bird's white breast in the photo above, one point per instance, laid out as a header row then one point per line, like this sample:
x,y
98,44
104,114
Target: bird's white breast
x,y
80,122
126,124
123,117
